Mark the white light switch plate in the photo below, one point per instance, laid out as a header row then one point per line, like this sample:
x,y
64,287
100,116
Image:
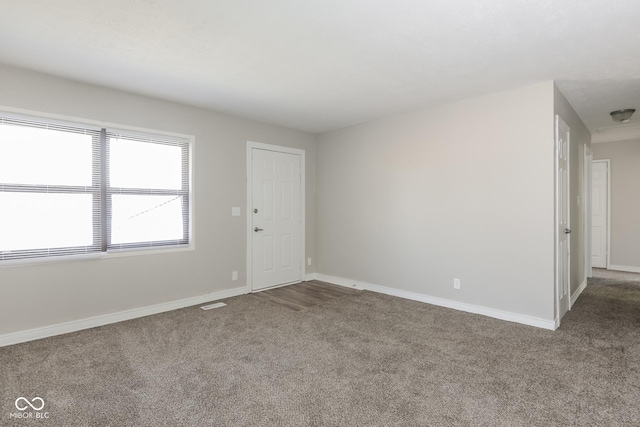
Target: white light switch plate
x,y
235,211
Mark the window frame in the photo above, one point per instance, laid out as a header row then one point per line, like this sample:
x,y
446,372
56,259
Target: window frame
x,y
101,247
109,191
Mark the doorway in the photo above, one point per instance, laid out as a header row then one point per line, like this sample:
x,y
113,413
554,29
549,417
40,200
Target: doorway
x,y
275,216
563,242
600,214
587,208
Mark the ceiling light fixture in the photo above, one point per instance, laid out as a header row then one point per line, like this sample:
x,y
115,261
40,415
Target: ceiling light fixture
x,y
622,116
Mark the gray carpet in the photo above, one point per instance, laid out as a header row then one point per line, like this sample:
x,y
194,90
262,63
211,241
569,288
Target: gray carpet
x,y
361,360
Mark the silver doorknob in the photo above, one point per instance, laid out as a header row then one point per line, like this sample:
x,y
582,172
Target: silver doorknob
x,y
257,229
567,231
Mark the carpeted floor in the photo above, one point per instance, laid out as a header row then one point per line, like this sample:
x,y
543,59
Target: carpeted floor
x,y
361,360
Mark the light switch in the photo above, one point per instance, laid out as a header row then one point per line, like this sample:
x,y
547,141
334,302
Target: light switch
x,y
235,211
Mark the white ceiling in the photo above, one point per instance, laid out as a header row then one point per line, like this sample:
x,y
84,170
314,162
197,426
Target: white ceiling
x,y
325,64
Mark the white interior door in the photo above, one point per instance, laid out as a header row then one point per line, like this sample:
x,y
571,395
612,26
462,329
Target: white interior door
x,y
599,212
276,219
588,166
562,216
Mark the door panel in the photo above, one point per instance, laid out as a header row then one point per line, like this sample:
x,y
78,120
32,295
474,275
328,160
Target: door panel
x,y
599,209
276,219
563,215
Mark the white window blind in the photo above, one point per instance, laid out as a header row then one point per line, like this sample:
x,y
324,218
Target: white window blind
x,y
49,189
67,189
147,201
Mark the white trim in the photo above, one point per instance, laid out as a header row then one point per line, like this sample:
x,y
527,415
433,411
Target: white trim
x,y
105,319
279,149
578,292
310,276
442,302
114,253
625,268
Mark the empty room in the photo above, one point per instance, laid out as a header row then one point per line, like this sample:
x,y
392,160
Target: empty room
x,y
336,213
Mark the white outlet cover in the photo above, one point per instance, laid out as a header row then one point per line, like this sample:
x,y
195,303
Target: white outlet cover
x,y
235,211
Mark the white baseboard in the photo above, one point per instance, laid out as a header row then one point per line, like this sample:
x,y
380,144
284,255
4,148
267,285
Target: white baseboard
x,y
442,302
624,268
578,291
92,322
310,276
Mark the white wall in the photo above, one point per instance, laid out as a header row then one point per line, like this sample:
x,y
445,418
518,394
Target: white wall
x,y
625,201
409,202
39,295
464,190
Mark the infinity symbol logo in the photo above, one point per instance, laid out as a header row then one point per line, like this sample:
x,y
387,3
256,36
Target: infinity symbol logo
x,y
33,401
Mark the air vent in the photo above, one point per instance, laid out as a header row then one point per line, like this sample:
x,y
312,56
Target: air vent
x,y
210,306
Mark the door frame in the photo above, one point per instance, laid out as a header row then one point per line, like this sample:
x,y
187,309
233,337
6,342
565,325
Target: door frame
x,y
560,122
586,210
608,225
251,145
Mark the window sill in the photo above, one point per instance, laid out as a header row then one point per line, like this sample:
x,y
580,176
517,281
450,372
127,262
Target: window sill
x,y
119,253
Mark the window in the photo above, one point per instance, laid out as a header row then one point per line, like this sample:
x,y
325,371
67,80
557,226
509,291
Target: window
x,y
67,189
147,201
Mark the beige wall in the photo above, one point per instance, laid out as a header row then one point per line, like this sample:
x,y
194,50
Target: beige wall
x,y
465,190
409,202
579,139
625,200
46,294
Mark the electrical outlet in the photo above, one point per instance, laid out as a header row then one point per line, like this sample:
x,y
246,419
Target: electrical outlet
x,y
309,261
456,283
234,275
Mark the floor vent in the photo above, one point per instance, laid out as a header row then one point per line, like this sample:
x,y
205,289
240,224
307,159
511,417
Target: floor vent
x,y
210,306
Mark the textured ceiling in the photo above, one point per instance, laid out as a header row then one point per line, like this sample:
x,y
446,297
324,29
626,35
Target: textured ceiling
x,y
322,65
